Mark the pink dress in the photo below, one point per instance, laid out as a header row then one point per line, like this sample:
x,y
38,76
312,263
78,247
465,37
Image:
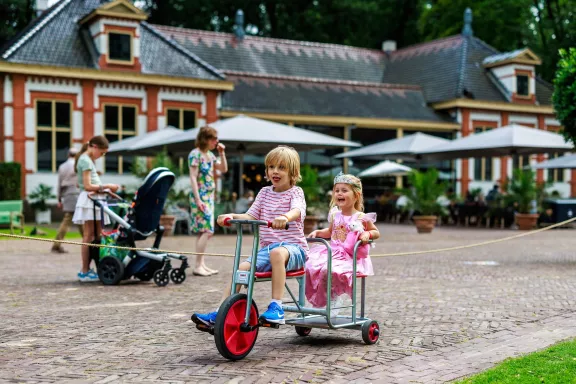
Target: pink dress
x,y
317,266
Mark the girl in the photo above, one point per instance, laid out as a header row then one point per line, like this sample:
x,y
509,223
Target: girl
x,y
202,165
89,181
346,211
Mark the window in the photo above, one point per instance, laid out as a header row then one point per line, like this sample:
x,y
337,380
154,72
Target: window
x,y
555,175
519,161
181,118
483,165
522,85
54,136
120,46
119,123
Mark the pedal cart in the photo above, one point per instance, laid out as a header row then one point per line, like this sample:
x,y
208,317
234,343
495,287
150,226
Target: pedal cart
x,y
236,327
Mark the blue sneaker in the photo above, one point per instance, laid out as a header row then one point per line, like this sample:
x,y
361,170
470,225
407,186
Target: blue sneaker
x,y
274,314
205,318
87,277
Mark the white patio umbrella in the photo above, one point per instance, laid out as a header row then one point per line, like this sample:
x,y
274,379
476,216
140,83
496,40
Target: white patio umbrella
x,y
385,168
141,143
564,162
509,140
406,147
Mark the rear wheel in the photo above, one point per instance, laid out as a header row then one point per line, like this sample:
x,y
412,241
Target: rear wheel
x,y
370,332
231,341
110,270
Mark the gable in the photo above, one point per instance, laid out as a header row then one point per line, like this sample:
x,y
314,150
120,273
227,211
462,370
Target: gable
x,y
120,9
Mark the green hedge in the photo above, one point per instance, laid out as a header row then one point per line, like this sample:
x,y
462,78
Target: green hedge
x,y
11,181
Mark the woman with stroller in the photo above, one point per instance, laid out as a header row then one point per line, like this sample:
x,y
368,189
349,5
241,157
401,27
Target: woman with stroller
x,y
203,165
88,182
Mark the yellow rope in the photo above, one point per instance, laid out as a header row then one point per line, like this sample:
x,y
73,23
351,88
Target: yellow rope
x,y
230,255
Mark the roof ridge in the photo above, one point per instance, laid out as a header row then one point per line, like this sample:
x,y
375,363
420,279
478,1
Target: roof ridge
x,y
34,27
317,80
418,45
462,68
179,47
272,39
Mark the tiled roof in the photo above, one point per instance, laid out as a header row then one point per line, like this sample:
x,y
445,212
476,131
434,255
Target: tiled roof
x,y
56,39
502,56
275,94
280,57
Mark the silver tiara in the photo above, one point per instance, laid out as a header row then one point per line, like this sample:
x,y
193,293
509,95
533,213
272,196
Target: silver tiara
x,y
345,179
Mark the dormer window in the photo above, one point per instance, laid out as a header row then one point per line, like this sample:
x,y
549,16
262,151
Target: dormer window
x,y
523,85
120,47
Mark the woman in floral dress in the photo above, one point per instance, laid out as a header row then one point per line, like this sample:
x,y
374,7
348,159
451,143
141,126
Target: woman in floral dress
x,y
203,165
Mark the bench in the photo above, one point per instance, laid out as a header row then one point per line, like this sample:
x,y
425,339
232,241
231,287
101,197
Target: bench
x,y
11,214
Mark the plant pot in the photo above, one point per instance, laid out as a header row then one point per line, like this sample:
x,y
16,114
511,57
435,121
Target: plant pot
x,y
43,217
425,224
167,221
526,221
310,224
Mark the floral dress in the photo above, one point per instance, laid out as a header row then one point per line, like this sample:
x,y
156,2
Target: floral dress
x,y
317,266
203,221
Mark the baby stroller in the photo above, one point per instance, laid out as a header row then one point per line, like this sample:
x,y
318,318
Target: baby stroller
x,y
141,220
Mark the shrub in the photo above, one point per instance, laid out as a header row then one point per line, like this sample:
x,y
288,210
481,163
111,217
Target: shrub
x,y
11,181
564,97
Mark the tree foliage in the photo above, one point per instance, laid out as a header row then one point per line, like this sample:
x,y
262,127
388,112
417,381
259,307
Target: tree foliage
x,y
564,97
14,16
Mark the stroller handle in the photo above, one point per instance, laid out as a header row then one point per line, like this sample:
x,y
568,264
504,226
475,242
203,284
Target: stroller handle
x,y
115,196
228,222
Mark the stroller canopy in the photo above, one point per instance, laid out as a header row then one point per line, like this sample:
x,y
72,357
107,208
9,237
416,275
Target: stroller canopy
x,y
150,198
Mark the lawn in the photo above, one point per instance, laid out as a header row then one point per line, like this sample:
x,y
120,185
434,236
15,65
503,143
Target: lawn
x,y
556,364
50,232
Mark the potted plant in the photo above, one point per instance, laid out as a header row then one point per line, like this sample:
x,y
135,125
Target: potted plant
x,y
313,192
522,192
423,198
38,202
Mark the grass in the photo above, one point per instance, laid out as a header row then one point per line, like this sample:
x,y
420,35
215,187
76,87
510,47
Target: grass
x,y
557,364
50,232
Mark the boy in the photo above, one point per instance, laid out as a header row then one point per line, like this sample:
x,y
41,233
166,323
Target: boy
x,y
280,250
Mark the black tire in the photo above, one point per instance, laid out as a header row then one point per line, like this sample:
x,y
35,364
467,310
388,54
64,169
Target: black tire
x,y
370,332
144,276
303,331
161,278
110,270
227,327
177,275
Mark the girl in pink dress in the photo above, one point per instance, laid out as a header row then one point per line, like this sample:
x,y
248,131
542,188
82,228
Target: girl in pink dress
x,y
348,224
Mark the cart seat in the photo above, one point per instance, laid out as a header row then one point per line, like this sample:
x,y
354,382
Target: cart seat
x,y
359,275
268,275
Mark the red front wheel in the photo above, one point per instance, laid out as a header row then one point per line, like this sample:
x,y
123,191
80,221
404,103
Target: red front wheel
x,y
232,342
370,332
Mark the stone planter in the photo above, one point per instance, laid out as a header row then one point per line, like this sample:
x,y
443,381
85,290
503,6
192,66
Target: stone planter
x,y
310,224
168,221
43,217
425,224
526,221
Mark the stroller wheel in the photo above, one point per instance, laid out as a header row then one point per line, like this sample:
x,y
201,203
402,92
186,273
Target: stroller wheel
x,y
110,270
161,278
232,342
177,275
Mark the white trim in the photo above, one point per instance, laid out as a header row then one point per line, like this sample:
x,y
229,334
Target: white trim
x,y
523,119
120,23
8,121
123,90
552,121
142,127
495,117
190,97
8,92
77,123
53,86
201,122
98,125
47,19
8,150
161,122
219,101
29,122
30,147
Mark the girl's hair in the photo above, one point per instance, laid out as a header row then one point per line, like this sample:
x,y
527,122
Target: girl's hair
x,y
285,156
206,133
356,186
97,141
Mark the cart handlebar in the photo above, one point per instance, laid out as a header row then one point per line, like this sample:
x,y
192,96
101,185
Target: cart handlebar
x,y
228,222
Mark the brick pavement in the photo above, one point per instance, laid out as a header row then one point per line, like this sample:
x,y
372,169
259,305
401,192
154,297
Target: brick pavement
x,y
442,316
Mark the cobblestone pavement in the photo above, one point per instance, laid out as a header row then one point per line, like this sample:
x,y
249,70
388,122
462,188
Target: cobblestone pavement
x,y
442,316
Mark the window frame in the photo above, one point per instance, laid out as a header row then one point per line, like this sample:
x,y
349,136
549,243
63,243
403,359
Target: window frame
x,y
483,160
518,94
118,61
120,130
554,174
52,129
181,111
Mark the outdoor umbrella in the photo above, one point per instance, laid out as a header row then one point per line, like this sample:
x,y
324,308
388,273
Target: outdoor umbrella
x,y
406,147
509,140
142,143
568,161
385,168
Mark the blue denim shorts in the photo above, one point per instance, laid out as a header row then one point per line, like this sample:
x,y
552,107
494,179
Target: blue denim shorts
x,y
295,262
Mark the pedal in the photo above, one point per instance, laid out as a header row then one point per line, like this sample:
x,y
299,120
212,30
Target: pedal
x,y
205,328
264,323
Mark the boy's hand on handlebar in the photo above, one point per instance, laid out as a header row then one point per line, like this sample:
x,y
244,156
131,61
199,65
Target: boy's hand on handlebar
x,y
222,218
279,222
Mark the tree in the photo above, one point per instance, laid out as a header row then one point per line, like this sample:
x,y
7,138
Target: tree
x,y
14,16
564,97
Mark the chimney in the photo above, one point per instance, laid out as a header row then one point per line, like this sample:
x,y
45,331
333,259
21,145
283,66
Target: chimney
x,y
467,30
239,25
40,7
389,46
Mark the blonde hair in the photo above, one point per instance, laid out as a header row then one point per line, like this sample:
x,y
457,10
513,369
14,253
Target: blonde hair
x,y
99,142
356,186
206,133
285,156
